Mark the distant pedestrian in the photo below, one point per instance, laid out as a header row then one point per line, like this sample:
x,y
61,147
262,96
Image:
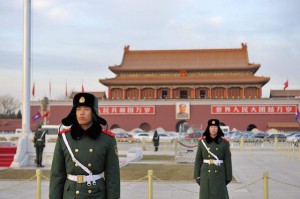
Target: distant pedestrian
x,y
39,144
213,169
155,141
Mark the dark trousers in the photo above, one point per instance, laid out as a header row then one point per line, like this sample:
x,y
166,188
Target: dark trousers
x,y
39,155
156,148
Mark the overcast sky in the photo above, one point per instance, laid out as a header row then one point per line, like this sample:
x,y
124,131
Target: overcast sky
x,y
75,41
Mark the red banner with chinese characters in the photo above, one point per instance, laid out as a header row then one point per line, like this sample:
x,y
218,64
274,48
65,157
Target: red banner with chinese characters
x,y
253,109
126,110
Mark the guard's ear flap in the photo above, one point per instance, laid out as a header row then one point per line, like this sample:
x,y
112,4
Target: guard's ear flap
x,y
70,119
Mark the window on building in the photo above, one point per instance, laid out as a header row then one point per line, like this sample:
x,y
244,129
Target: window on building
x,y
164,94
202,94
183,94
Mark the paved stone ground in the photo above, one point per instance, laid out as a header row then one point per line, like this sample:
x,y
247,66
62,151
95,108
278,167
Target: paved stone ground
x,y
247,168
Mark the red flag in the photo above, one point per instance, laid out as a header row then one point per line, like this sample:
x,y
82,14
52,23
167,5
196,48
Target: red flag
x,y
33,89
46,114
82,88
286,84
66,92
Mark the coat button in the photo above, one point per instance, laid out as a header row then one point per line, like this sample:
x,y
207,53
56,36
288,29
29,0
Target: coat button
x,y
216,148
91,150
208,171
89,164
77,192
76,150
209,156
76,165
90,191
216,171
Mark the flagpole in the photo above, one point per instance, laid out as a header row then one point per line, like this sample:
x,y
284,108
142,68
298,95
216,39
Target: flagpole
x,y
21,156
50,90
288,89
26,67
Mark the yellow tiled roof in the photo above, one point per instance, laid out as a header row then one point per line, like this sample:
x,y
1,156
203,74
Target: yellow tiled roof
x,y
198,59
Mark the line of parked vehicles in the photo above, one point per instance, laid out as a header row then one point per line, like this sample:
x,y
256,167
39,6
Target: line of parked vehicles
x,y
170,137
144,137
293,138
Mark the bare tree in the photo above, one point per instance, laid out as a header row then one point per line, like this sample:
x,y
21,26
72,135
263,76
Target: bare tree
x,y
8,106
44,105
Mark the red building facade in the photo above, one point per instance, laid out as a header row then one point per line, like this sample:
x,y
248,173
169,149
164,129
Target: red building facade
x,y
152,114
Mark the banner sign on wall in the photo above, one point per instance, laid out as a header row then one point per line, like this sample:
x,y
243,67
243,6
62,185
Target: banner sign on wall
x,y
253,109
126,110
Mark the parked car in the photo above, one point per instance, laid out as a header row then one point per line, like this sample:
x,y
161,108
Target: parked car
x,y
295,139
196,134
261,135
290,134
139,137
164,137
123,137
279,136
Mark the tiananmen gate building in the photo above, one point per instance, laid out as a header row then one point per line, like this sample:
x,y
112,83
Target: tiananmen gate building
x,y
151,87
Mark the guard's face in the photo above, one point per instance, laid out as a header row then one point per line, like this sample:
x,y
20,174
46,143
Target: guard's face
x,y
213,131
84,115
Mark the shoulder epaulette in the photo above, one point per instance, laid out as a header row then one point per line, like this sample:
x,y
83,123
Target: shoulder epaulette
x,y
201,138
108,133
64,131
225,139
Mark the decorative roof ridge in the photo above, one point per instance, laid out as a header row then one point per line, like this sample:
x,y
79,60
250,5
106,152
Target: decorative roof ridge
x,y
127,50
250,67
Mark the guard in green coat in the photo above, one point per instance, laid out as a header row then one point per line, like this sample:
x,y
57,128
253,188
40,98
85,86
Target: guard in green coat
x,y
39,144
213,169
85,162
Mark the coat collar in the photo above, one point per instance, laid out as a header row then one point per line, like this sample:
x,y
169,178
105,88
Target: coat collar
x,y
216,139
93,132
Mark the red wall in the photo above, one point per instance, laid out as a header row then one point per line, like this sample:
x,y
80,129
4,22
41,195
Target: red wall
x,y
165,117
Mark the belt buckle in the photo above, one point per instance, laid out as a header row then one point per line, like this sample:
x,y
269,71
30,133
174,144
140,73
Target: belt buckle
x,y
211,161
80,179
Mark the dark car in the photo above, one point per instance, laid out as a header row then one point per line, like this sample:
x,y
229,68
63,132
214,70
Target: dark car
x,y
278,135
196,134
261,135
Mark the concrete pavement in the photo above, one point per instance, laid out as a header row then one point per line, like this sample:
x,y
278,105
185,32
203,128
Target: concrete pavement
x,y
248,167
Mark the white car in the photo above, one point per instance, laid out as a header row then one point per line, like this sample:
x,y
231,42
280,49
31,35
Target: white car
x,y
139,137
164,137
293,138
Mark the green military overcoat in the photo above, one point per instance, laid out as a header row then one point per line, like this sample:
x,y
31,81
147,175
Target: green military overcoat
x,y
98,155
39,138
213,179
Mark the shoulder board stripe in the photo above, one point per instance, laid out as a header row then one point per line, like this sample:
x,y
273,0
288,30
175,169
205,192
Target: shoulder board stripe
x,y
108,133
201,138
64,131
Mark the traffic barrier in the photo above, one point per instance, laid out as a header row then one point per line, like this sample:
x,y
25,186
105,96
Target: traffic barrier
x,y
266,187
150,184
38,183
